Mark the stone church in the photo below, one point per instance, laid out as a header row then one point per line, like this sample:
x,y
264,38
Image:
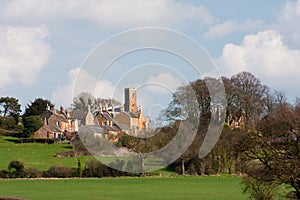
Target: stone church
x,y
127,118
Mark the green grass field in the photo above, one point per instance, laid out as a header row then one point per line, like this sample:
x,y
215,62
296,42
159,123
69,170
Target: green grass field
x,y
40,156
126,188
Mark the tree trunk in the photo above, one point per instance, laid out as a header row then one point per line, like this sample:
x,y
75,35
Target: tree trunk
x,y
142,166
182,167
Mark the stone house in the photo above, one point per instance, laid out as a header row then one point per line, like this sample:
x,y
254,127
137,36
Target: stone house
x,y
132,116
62,124
112,128
134,121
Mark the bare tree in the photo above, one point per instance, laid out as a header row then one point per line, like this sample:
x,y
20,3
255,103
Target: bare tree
x,y
280,98
85,101
274,149
249,95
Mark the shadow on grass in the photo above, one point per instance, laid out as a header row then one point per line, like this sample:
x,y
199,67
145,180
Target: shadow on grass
x,y
11,198
68,147
14,140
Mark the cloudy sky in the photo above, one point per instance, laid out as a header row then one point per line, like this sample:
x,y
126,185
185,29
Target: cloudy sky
x,y
44,43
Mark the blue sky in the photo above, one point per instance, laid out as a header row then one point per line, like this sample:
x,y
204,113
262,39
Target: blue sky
x,y
43,43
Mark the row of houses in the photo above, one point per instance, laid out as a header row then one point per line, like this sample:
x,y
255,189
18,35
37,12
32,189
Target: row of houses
x,y
64,124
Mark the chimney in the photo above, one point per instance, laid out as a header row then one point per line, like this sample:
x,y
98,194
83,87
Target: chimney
x,y
48,107
54,110
62,110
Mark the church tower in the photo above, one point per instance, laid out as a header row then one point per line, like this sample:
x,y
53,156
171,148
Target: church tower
x,y
130,100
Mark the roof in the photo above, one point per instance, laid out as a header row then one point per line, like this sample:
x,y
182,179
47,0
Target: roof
x,y
51,128
111,128
46,114
60,117
78,114
133,115
91,129
107,116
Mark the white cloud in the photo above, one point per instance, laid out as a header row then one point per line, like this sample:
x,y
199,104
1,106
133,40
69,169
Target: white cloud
x,y
265,55
289,23
230,26
163,83
23,53
81,81
106,12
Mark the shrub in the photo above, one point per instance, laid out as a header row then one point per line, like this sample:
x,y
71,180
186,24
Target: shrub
x,y
37,140
33,173
95,168
260,190
31,124
16,169
4,174
60,172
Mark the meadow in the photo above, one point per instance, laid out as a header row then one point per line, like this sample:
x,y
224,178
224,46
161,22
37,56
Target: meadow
x,y
42,156
36,155
126,188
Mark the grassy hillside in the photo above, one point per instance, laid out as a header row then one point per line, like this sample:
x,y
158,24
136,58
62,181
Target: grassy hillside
x,y
40,156
126,188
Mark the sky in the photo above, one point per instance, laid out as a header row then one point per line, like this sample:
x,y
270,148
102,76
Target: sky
x,y
44,45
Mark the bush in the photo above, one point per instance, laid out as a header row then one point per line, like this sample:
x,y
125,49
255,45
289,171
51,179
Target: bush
x,y
9,123
37,140
16,169
260,190
31,124
60,172
4,174
95,168
33,173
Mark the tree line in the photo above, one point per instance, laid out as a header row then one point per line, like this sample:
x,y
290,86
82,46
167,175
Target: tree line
x,y
265,150
13,122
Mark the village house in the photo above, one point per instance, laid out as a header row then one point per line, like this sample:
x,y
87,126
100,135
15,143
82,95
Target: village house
x,y
62,124
106,121
239,123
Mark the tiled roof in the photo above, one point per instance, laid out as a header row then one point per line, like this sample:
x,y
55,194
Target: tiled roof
x,y
78,114
51,128
61,117
107,116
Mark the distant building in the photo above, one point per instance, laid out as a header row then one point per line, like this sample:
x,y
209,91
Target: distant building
x,y
112,119
105,119
237,123
132,116
130,100
128,118
62,124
